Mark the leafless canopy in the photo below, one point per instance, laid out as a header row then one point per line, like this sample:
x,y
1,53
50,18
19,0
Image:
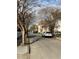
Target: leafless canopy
x,y
23,18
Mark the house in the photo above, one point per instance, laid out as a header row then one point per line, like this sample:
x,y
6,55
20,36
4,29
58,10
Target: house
x,y
57,26
57,29
43,28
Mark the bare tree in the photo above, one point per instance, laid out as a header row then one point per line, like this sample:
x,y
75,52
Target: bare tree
x,y
56,16
23,19
51,16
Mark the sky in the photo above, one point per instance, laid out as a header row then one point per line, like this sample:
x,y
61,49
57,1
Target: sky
x,y
50,2
44,3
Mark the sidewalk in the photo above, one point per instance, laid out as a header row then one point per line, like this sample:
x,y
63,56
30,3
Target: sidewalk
x,y
22,52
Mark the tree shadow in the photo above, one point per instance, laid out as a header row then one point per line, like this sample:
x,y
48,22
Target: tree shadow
x,y
37,39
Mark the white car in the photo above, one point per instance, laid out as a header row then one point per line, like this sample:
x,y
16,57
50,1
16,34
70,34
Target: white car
x,y
47,34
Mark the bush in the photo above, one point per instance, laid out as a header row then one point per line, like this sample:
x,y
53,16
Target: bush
x,y
58,34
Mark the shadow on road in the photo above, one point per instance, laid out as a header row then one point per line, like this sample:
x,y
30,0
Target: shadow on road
x,y
35,40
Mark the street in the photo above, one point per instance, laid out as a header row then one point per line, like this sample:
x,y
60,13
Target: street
x,y
41,48
46,48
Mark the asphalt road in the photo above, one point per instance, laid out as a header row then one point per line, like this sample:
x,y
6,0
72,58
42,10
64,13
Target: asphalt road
x,y
46,48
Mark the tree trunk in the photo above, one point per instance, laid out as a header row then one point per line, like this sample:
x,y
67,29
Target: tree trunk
x,y
26,36
23,37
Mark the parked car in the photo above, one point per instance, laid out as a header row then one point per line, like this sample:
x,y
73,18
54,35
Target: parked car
x,y
35,31
47,34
